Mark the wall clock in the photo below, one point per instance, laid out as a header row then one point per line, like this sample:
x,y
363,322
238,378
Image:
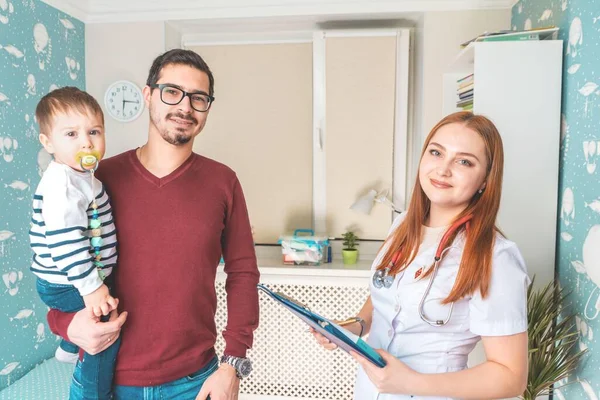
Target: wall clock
x,y
124,101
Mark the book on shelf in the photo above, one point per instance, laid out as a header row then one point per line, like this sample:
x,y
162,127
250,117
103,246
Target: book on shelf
x,y
506,38
467,95
468,78
465,102
466,88
463,84
544,33
465,92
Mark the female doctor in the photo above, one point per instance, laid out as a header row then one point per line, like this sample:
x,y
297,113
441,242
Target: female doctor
x,y
426,317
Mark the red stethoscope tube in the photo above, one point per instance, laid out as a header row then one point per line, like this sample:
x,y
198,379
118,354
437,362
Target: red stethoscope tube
x,y
382,278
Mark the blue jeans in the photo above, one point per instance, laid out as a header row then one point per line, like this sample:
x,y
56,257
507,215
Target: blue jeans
x,y
68,346
92,379
186,388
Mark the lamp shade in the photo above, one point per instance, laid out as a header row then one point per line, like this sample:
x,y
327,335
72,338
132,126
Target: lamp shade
x,y
365,203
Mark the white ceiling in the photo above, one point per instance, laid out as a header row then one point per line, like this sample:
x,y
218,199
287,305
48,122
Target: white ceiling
x,y
95,11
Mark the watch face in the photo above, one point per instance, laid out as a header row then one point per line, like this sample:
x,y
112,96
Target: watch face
x,y
124,101
245,367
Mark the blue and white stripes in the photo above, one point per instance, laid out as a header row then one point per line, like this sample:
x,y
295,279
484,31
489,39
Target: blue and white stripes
x,y
59,234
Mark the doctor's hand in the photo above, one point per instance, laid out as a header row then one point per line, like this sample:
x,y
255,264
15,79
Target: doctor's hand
x,y
395,377
322,340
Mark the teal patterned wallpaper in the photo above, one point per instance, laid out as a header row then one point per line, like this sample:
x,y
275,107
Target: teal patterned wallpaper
x,y
579,225
41,48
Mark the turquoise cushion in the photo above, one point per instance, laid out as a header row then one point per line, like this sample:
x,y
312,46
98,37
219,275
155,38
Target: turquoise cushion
x,y
49,380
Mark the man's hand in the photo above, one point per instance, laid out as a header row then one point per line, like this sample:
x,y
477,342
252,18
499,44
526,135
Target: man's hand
x,y
93,336
222,385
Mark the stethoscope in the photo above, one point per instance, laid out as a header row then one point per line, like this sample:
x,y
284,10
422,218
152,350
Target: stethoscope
x,y
383,279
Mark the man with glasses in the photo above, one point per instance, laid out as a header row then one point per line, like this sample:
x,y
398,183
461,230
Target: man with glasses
x,y
172,95
178,213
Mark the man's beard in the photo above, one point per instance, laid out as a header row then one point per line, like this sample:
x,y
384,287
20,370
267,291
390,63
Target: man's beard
x,y
176,136
176,139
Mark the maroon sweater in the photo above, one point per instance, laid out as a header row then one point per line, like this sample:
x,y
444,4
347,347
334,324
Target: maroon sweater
x,y
171,232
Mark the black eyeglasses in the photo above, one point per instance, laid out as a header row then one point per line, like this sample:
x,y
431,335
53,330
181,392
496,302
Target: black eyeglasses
x,y
172,95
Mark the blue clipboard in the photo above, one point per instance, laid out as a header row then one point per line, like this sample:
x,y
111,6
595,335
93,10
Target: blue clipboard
x,y
343,338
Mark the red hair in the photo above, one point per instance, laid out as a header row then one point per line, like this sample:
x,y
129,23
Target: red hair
x,y
476,264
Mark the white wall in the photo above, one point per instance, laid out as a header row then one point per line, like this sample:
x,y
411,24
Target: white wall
x,y
443,34
172,37
121,51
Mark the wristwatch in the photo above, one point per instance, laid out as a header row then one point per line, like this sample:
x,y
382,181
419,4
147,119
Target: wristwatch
x,y
243,366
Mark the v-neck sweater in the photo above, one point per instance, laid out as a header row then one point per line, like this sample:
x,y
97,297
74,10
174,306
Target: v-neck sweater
x,y
172,232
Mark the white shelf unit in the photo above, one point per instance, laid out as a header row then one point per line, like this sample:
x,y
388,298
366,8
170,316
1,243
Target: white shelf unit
x,y
518,86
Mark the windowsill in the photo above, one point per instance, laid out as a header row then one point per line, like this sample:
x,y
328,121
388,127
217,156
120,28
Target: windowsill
x,y
336,268
270,263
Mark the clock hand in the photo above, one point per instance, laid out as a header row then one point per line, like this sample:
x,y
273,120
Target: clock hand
x,y
131,101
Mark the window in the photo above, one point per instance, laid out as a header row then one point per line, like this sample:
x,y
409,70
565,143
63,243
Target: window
x,y
311,124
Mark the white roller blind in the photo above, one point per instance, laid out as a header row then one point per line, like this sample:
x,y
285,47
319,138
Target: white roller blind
x,y
260,125
360,87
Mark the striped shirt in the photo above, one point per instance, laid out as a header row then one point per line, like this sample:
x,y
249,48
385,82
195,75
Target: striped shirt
x,y
60,234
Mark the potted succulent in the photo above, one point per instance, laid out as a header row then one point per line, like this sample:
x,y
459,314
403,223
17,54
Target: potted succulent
x,y
349,250
552,340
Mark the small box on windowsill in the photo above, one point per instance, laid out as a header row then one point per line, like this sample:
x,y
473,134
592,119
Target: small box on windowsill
x,y
308,249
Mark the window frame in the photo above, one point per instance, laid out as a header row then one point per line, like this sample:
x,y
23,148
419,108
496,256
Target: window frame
x,y
403,139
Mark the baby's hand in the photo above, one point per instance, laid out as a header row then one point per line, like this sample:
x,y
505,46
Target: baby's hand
x,y
100,302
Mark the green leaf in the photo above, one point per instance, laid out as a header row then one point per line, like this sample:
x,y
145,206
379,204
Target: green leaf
x,y
552,339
